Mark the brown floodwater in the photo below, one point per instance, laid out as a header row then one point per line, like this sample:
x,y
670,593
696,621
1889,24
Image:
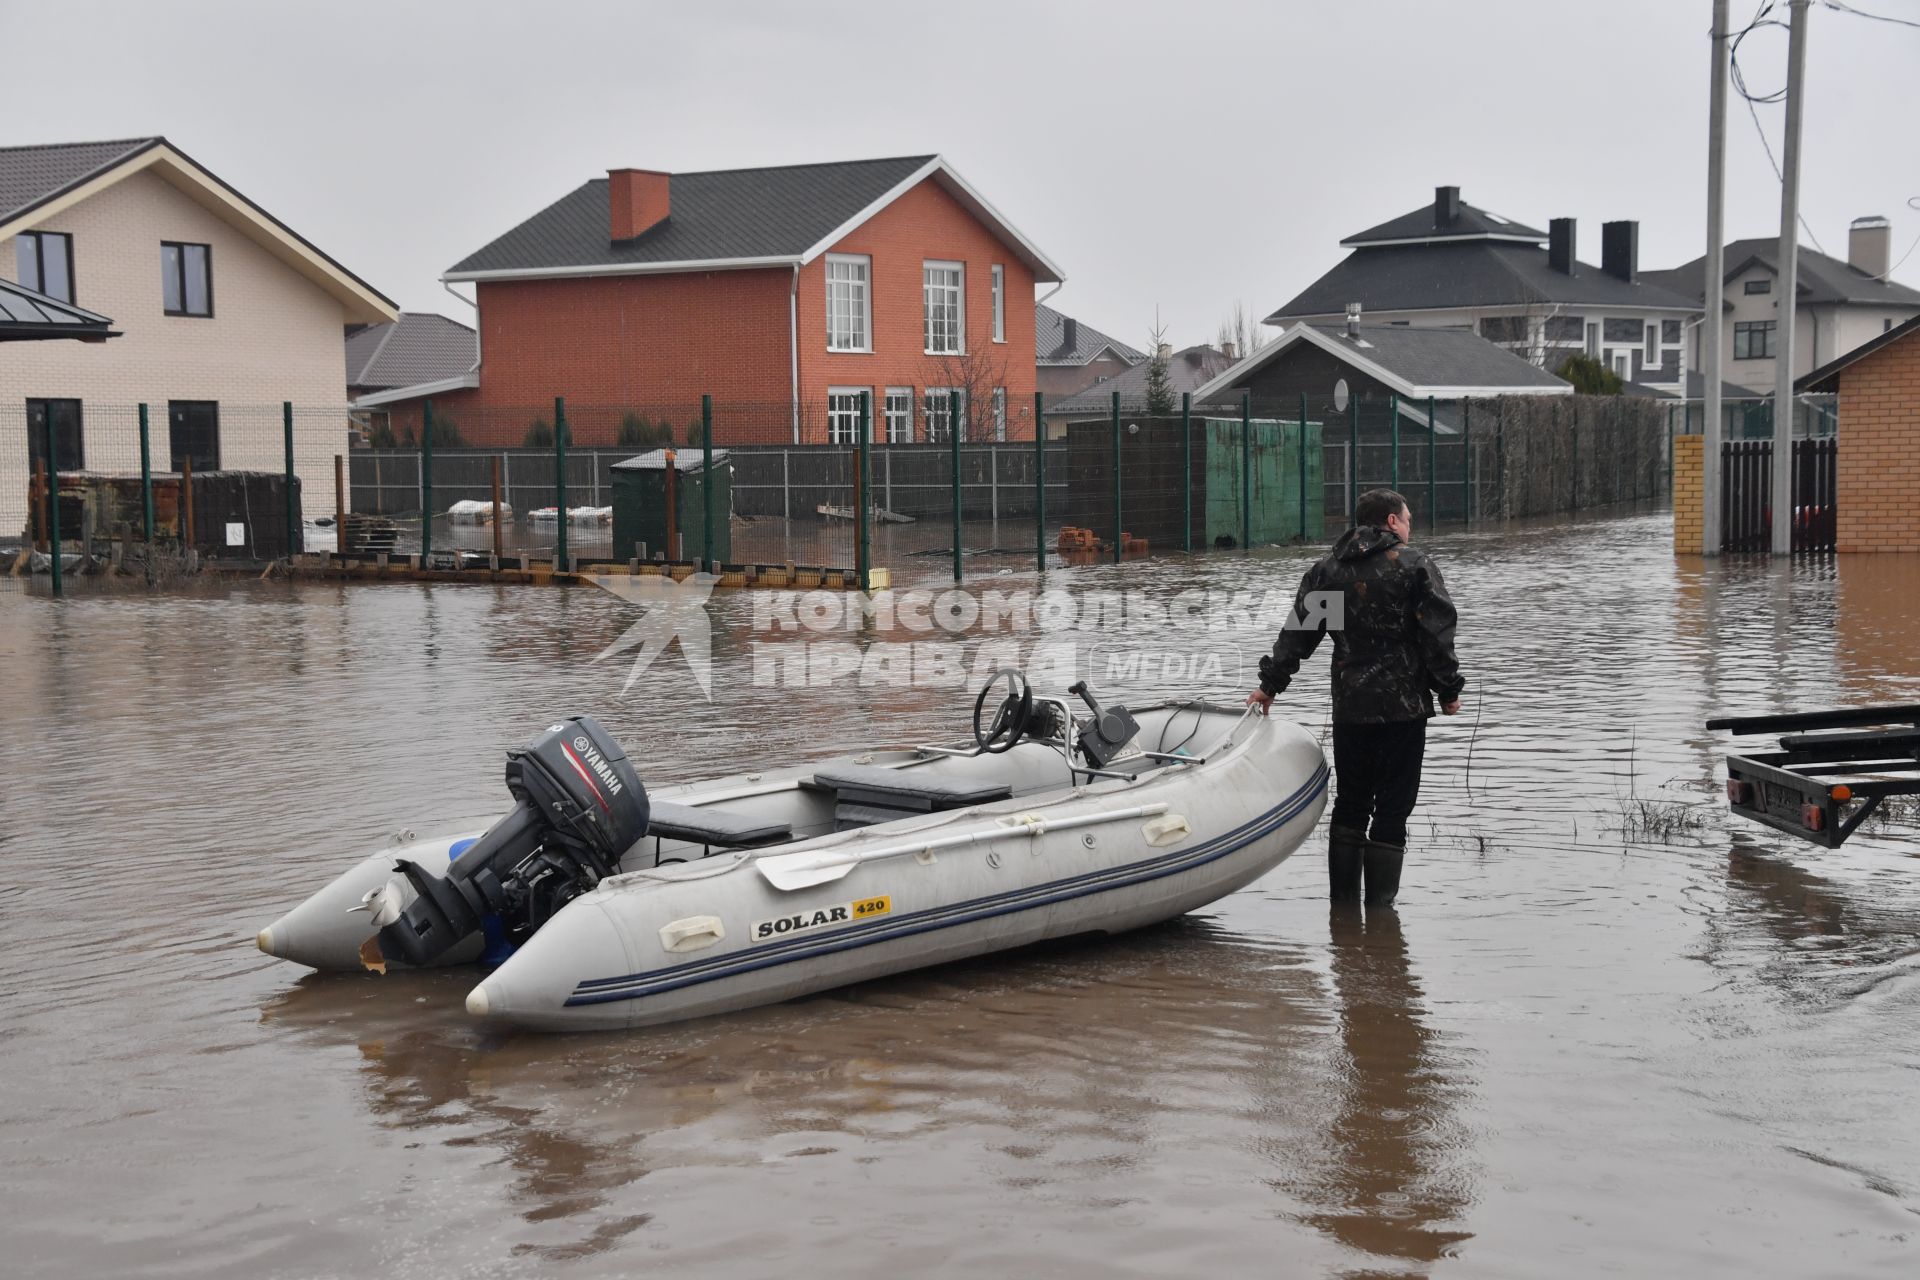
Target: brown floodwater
x,y
1575,1050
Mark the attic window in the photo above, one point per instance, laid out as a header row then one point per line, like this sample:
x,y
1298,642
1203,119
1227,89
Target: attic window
x,y
1494,217
1759,286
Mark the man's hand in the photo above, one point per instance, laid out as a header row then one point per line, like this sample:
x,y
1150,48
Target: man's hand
x,y
1262,699
1450,708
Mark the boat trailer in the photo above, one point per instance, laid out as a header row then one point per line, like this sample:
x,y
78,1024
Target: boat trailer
x,y
1832,770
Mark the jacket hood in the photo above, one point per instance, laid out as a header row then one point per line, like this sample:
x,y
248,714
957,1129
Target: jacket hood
x,y
1362,541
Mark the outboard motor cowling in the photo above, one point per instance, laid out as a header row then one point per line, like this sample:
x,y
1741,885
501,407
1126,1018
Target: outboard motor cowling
x,y
580,807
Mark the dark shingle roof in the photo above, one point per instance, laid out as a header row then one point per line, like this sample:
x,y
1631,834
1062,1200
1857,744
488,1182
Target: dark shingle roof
x,y
31,175
1441,357
25,314
731,213
1187,370
1820,278
419,347
1470,222
1477,273
1050,341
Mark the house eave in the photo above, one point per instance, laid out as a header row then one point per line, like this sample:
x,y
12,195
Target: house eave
x,y
623,269
459,382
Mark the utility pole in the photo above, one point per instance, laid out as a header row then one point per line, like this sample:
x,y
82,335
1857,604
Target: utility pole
x,y
1713,285
1789,282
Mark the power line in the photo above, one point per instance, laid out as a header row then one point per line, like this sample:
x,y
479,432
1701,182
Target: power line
x,y
1837,7
1760,19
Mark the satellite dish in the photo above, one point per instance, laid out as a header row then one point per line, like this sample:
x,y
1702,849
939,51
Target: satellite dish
x,y
1340,396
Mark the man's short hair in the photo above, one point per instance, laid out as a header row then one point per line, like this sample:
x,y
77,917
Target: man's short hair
x,y
1375,505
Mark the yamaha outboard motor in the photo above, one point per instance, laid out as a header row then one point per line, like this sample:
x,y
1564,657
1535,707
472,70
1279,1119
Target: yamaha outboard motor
x,y
581,807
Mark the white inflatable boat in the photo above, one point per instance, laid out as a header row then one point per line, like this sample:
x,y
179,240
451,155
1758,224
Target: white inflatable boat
x,y
596,905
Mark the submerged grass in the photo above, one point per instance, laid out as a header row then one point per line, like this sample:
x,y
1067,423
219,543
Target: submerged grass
x,y
1663,821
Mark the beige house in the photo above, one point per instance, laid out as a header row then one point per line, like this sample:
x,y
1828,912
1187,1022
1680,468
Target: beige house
x,y
224,311
1840,305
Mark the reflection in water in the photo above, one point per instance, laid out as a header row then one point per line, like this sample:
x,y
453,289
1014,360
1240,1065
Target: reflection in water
x,y
1201,1098
425,1078
1392,1185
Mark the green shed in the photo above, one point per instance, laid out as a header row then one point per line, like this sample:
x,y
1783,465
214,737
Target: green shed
x,y
641,498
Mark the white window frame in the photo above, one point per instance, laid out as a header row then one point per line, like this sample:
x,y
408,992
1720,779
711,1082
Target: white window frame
x,y
1593,338
843,424
1622,364
1650,354
927,286
860,314
899,417
1000,413
940,396
999,303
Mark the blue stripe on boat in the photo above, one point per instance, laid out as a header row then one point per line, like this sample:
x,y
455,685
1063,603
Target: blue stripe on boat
x,y
659,981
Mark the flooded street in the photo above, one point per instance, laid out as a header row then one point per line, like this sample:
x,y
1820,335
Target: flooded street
x,y
1573,1053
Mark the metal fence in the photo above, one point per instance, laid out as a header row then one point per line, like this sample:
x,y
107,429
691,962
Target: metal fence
x,y
934,481
162,486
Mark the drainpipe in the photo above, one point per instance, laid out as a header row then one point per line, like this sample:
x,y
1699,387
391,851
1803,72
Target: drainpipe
x,y
1058,286
793,346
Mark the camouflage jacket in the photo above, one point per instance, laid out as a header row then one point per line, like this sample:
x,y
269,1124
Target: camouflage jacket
x,y
1395,649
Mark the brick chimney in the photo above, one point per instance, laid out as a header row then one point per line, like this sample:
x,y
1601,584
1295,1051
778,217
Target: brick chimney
x,y
1620,250
1227,349
1446,206
637,201
1560,245
1870,245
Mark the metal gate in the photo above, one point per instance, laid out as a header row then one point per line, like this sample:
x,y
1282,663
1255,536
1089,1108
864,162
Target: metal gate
x,y
1746,489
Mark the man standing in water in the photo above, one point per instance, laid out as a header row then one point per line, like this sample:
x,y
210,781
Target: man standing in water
x,y
1391,657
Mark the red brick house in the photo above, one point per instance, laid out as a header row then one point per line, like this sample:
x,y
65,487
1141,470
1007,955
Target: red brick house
x,y
782,293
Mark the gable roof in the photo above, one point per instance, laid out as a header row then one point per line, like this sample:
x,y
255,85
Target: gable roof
x,y
1473,273
1051,346
1825,378
37,182
27,315
420,346
1819,278
1413,362
1187,370
728,218
1422,226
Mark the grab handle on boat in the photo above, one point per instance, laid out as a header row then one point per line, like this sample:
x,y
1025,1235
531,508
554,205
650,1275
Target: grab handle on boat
x,y
790,871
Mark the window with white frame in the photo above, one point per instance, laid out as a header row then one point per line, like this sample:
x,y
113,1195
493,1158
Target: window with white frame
x,y
1651,355
843,414
849,309
999,303
999,413
939,414
946,308
899,415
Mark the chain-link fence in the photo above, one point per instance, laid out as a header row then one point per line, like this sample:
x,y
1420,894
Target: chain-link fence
x,y
161,487
902,481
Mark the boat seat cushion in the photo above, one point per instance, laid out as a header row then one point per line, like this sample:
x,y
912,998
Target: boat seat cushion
x,y
708,825
913,789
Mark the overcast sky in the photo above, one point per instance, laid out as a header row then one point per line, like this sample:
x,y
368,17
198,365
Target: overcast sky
x,y
1176,155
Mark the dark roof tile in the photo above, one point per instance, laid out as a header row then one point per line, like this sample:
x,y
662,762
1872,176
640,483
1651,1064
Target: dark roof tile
x,y
726,214
29,175
1050,341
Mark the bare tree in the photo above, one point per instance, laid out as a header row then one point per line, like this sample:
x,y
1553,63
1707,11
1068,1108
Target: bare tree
x,y
1240,333
976,375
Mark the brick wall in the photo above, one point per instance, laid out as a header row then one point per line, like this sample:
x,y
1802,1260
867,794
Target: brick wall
x,y
1688,496
656,344
1879,450
924,224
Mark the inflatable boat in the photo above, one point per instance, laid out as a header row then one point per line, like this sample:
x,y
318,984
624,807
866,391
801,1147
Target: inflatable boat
x,y
594,905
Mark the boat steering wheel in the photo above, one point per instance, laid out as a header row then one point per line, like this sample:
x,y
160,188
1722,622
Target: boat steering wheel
x,y
1010,721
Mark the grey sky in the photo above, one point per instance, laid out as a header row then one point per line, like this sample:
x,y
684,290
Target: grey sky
x,y
1177,155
